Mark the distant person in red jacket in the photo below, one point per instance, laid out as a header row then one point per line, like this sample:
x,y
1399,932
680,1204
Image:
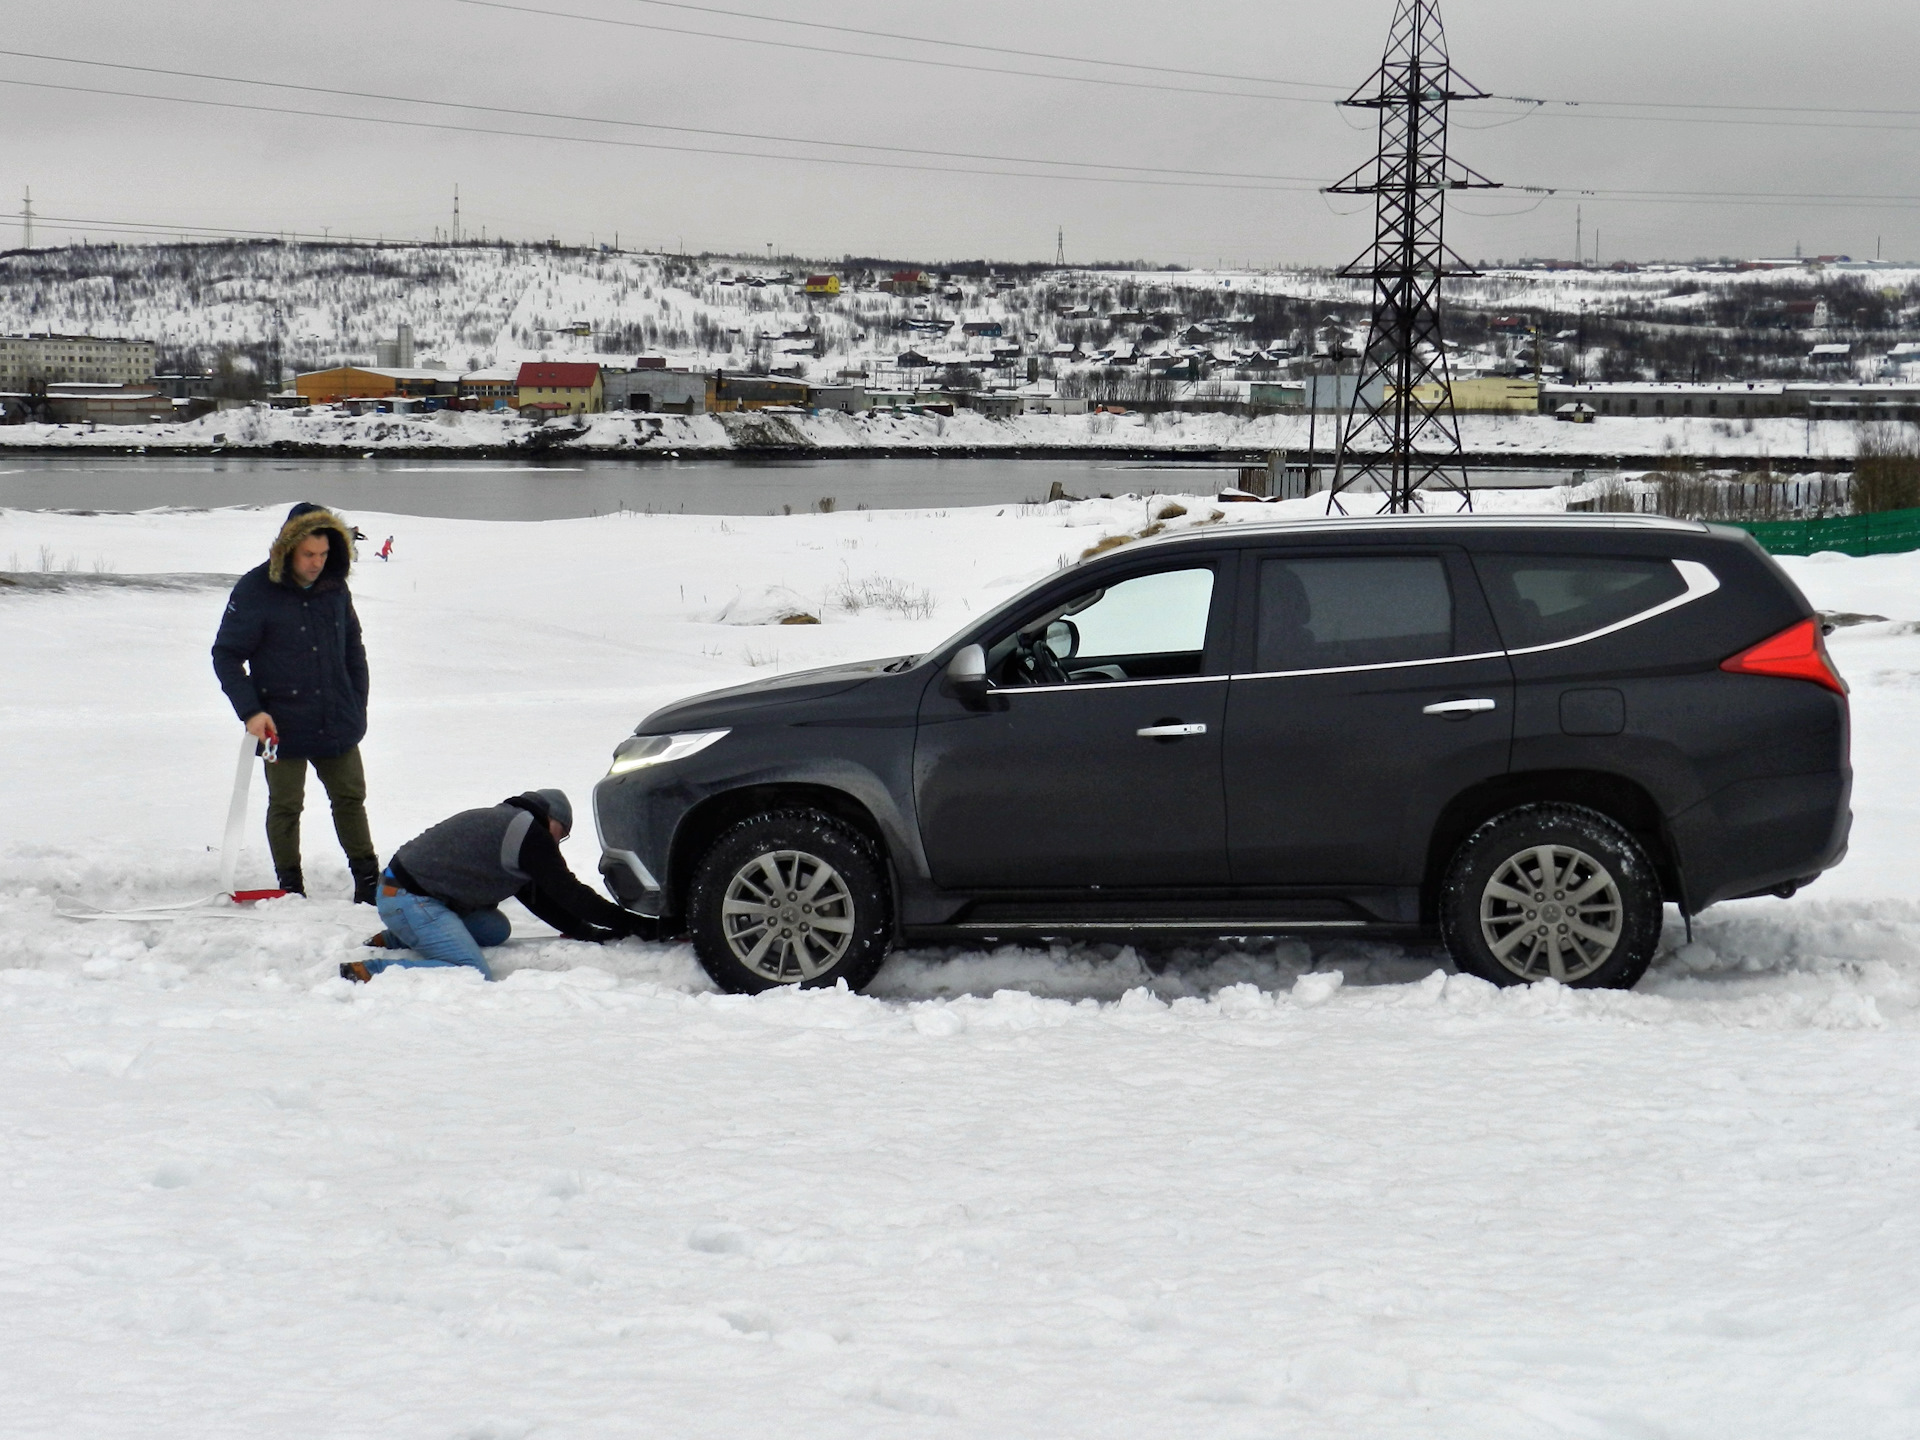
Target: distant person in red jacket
x,y
386,550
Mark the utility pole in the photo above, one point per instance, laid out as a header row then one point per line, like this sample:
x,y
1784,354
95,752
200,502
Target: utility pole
x,y
1412,414
1580,236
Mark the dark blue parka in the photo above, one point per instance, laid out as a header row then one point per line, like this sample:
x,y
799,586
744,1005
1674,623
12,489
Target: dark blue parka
x,y
294,653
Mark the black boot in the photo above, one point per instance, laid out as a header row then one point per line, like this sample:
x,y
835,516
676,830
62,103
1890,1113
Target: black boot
x,y
291,882
366,879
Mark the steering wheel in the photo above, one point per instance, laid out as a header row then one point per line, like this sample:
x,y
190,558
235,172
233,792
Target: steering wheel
x,y
1034,663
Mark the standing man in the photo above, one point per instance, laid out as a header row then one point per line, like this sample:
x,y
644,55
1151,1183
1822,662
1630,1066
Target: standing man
x,y
290,658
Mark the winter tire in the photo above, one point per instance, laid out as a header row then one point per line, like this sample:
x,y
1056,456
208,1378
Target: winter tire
x,y
792,897
1552,892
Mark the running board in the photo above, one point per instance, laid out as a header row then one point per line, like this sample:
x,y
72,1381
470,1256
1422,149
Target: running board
x,y
1240,925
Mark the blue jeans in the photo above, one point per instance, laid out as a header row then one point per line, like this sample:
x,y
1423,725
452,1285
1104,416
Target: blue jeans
x,y
438,935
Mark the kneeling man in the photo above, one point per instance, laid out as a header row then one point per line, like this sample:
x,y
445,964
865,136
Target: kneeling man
x,y
440,894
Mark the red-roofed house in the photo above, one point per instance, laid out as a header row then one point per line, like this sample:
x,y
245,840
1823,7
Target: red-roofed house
x,y
559,388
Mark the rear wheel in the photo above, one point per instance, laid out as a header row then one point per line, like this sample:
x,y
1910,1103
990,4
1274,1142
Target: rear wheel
x,y
1552,892
792,897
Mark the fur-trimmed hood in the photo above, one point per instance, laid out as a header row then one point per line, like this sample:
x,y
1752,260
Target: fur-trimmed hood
x,y
304,521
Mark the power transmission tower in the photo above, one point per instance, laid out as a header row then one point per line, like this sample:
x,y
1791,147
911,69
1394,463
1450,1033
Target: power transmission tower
x,y
1060,249
456,214
26,219
1404,436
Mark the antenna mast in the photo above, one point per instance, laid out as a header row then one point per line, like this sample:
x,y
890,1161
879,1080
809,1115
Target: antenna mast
x,y
1406,436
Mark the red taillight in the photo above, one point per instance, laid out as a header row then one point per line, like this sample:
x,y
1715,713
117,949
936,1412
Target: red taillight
x,y
1797,653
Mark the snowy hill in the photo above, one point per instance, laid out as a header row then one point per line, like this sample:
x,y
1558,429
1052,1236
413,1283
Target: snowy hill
x,y
248,304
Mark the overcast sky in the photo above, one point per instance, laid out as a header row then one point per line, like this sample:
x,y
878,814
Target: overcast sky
x,y
100,158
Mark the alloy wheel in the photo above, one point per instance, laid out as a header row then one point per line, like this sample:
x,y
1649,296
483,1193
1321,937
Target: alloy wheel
x,y
787,916
1551,912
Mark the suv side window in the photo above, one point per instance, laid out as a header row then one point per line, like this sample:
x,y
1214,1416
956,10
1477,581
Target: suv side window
x,y
1146,627
1331,612
1545,599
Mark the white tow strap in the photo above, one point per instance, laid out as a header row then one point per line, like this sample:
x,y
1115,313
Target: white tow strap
x,y
229,858
236,814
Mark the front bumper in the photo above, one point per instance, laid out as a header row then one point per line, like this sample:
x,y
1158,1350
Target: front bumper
x,y
630,883
629,878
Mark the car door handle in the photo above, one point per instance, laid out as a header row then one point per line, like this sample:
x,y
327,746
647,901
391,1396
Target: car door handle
x,y
1460,707
1169,732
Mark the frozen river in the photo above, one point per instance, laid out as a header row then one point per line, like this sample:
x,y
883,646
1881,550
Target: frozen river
x,y
465,489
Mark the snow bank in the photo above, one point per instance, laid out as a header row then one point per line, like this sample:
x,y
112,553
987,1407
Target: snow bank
x,y
455,432
1225,1190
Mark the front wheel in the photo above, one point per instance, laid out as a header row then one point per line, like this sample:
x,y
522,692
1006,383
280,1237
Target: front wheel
x,y
1552,892
792,897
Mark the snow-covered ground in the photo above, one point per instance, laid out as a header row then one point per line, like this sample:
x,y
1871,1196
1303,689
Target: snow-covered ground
x,y
1251,1192
1781,441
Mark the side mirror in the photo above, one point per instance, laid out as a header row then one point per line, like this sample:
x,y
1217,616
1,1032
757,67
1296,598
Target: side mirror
x,y
1063,639
966,676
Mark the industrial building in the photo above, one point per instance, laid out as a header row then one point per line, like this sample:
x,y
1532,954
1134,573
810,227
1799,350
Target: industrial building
x,y
654,388
753,392
490,389
28,360
1479,396
371,382
85,403
1730,400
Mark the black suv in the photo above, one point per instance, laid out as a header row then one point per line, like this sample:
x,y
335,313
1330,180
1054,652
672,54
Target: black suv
x,y
1520,735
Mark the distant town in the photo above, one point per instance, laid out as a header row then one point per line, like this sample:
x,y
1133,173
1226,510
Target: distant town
x,y
586,332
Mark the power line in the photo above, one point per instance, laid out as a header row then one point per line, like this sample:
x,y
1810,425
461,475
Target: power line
x,y
143,227
1703,105
842,51
1539,105
990,49
1203,179
636,124
602,140
1576,110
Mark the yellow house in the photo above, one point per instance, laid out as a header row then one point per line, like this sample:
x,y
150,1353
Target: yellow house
x,y
560,388
1485,397
823,285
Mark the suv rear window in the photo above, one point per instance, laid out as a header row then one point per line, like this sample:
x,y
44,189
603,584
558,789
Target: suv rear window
x,y
1323,614
1544,599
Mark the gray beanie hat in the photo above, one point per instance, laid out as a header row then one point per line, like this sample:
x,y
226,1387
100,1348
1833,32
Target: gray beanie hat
x,y
558,806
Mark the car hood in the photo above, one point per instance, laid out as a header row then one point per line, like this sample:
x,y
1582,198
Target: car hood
x,y
739,703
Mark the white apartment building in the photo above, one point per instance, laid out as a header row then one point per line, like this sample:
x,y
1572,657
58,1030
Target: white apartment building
x,y
67,358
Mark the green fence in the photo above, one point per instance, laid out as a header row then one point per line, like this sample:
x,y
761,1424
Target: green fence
x,y
1892,532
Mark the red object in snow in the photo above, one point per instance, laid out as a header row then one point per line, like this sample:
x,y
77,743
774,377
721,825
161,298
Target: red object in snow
x,y
248,897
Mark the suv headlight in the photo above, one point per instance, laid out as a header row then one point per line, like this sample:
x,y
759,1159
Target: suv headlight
x,y
639,751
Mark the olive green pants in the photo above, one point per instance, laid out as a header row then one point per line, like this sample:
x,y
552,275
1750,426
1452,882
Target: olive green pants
x,y
346,784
